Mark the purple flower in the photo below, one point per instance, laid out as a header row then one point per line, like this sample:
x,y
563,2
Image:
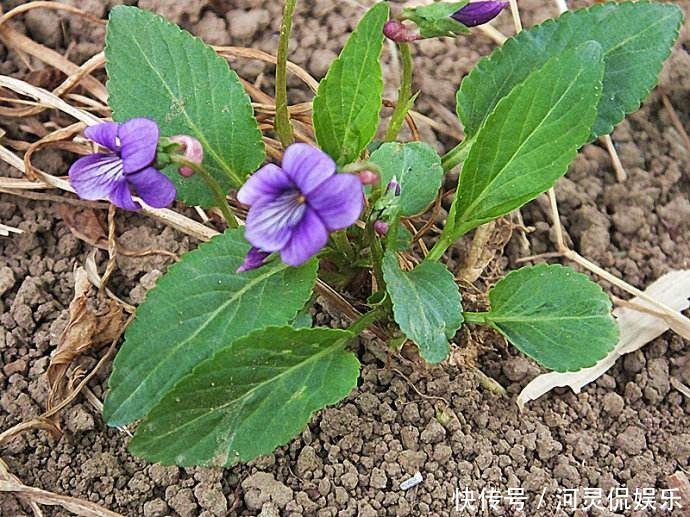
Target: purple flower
x,y
294,207
192,151
132,147
478,13
255,259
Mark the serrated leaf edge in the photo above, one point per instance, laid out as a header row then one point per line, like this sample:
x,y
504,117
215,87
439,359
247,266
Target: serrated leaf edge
x,y
498,54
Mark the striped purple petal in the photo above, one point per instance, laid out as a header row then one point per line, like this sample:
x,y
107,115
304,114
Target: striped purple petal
x,y
338,201
121,196
270,223
265,184
307,239
153,187
104,134
307,166
94,176
138,143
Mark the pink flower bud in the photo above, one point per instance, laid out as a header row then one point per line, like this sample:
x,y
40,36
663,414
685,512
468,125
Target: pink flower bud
x,y
368,177
192,149
380,227
399,32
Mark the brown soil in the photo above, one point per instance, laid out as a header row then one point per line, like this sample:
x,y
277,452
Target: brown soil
x,y
629,429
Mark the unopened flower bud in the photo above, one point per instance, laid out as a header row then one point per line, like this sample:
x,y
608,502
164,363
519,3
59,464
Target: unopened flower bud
x,y
368,177
381,227
394,186
399,32
254,259
192,150
478,13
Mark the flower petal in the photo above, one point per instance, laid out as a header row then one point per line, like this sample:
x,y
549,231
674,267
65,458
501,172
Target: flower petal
x,y
338,201
138,143
269,224
265,184
104,134
121,196
307,239
153,187
94,176
307,166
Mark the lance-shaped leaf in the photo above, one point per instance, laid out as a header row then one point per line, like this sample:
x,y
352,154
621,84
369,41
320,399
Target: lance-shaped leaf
x,y
159,71
556,316
416,167
426,304
347,105
636,38
200,305
529,140
250,397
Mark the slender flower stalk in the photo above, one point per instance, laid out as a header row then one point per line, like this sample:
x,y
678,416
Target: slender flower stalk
x,y
294,207
127,164
405,98
479,13
283,125
213,185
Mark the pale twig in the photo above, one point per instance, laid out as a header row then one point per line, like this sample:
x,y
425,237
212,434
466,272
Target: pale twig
x,y
5,230
682,388
7,475
675,120
621,175
676,321
493,33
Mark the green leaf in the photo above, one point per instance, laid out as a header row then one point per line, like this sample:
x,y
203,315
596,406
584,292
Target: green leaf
x,y
426,305
200,305
347,105
159,71
529,140
434,20
252,396
636,38
556,316
417,168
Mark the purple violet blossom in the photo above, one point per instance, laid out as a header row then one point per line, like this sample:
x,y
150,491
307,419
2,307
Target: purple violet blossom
x,y
294,207
478,13
110,175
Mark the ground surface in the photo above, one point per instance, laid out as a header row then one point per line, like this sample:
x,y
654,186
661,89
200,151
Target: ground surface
x,y
629,429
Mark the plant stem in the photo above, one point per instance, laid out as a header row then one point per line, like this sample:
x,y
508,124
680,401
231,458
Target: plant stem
x,y
404,102
456,155
343,244
476,317
218,194
376,255
442,244
282,121
366,320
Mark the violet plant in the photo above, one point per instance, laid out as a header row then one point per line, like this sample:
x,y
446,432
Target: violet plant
x,y
222,363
